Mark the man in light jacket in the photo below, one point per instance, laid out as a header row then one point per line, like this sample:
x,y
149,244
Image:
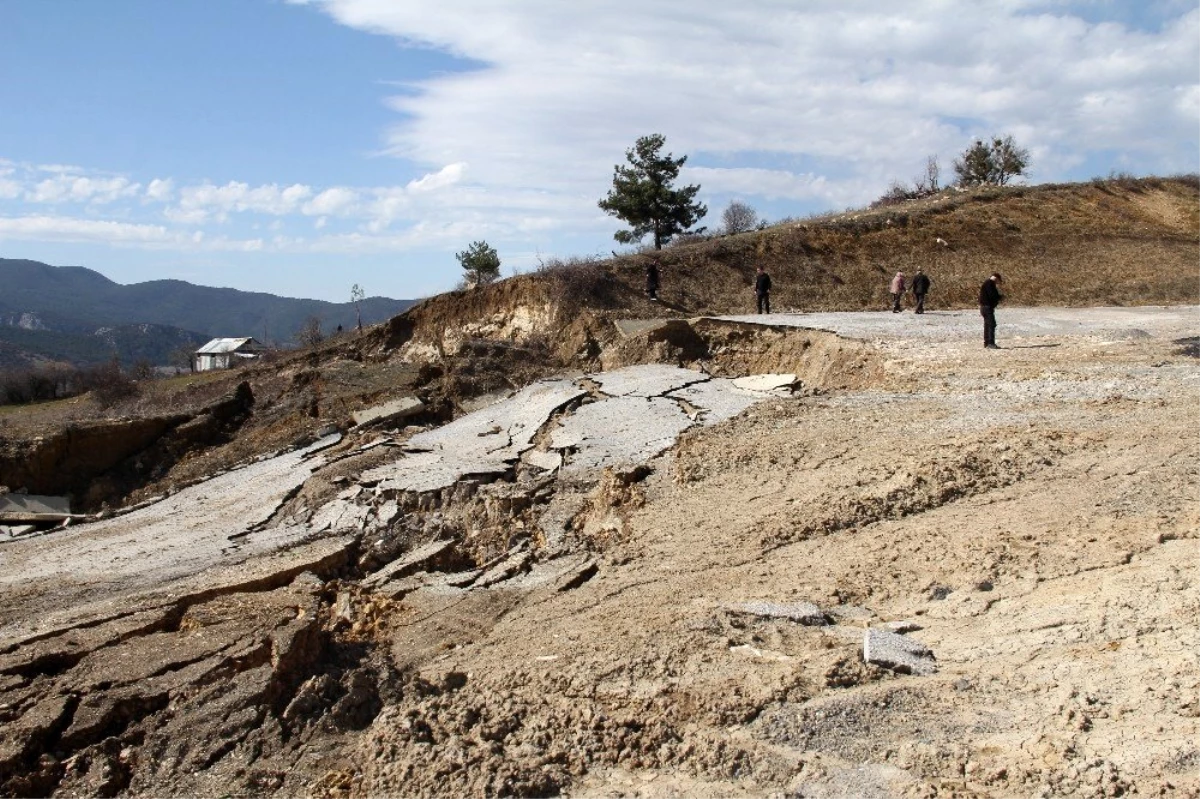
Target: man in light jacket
x,y
897,290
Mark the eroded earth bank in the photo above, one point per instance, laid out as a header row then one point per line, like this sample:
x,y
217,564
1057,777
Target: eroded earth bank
x,y
658,579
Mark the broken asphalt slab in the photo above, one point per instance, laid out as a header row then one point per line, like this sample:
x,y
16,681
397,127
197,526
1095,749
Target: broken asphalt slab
x,y
487,441
182,535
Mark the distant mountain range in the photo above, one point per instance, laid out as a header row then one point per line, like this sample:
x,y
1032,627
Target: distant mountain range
x,y
76,315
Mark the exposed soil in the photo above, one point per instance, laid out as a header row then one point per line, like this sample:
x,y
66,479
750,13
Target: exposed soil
x,y
1030,514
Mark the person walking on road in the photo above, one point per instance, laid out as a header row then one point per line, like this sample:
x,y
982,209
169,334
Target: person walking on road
x,y
897,289
652,279
989,298
762,290
920,287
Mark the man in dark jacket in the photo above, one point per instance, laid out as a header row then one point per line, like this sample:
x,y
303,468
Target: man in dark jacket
x,y
920,287
762,290
989,298
652,279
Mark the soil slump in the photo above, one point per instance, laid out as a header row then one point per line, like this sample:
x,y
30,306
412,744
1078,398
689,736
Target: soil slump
x,y
531,629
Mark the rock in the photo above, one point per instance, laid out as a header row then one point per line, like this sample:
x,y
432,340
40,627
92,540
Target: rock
x,y
897,652
801,612
901,626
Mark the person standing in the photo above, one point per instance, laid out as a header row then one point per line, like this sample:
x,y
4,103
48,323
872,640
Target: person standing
x,y
897,289
652,279
989,298
920,287
762,290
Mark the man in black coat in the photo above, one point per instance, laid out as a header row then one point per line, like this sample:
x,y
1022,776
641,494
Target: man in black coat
x,y
920,287
989,298
652,279
762,290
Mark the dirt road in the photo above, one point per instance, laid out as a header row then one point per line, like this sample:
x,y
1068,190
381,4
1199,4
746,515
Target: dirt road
x,y
1028,515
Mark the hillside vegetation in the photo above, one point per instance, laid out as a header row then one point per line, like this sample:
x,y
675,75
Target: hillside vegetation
x,y
1119,242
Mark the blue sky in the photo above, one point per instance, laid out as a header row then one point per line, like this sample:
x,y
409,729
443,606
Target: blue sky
x,y
302,147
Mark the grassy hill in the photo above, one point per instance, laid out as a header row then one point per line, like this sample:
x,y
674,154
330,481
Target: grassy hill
x,y
1116,242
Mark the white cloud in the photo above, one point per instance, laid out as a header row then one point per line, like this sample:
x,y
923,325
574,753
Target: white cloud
x,y
160,190
447,176
235,196
867,90
334,201
57,228
66,187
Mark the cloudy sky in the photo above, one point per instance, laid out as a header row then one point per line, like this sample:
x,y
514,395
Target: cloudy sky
x,y
301,147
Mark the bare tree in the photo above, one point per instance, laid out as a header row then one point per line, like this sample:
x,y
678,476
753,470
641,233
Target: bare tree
x,y
356,296
929,182
739,217
310,335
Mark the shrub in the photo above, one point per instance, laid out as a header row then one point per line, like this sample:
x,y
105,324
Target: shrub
x,y
108,385
579,281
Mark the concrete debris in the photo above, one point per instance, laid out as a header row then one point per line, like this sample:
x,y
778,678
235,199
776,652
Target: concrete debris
x,y
561,574
845,614
461,579
548,461
805,613
510,566
351,492
389,411
387,513
341,515
33,508
412,562
16,531
761,654
635,327
776,384
402,586
897,652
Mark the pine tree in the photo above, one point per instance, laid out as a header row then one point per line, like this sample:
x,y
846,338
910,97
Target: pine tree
x,y
644,197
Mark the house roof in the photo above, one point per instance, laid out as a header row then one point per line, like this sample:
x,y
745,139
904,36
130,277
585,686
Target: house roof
x,y
222,345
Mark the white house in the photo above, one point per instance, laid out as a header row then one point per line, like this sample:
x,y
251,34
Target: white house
x,y
221,353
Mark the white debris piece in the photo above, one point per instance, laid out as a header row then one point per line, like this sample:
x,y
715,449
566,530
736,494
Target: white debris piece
x,y
897,652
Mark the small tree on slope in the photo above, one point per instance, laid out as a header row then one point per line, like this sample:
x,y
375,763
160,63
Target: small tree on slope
x,y
481,262
994,163
644,197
